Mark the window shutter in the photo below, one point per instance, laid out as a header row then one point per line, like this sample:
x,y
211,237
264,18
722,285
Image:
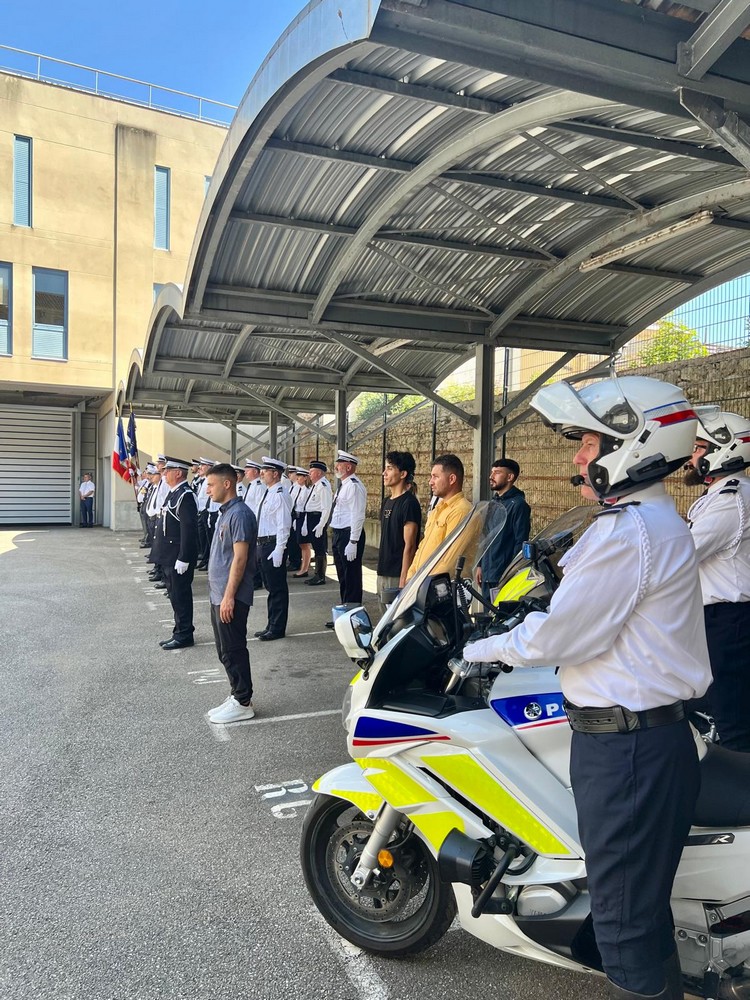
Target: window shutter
x,y
21,181
161,208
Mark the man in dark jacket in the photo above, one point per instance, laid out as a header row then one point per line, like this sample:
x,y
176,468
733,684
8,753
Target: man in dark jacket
x,y
176,550
515,532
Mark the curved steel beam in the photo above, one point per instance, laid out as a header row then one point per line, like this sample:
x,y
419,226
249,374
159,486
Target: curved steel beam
x,y
710,197
237,346
538,111
135,368
324,37
169,303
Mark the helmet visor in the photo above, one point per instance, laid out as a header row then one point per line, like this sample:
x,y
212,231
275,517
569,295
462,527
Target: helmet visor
x,y
600,408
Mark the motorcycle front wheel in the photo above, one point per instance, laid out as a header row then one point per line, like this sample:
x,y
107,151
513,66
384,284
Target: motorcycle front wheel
x,y
403,910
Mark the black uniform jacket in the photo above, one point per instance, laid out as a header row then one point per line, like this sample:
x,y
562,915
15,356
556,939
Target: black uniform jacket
x,y
177,529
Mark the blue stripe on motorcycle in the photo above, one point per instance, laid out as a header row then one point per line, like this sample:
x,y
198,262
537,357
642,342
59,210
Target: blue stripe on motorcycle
x,y
529,710
369,728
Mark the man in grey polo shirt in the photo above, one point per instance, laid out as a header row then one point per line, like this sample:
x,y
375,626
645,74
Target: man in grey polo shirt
x,y
231,568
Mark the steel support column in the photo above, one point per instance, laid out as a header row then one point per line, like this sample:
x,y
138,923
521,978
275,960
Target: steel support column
x,y
273,432
341,422
233,444
484,441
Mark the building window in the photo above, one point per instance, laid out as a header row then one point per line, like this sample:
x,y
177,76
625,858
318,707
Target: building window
x,y
206,184
6,329
21,181
157,289
161,208
50,333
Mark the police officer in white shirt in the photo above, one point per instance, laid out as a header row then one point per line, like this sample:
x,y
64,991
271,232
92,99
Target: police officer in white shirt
x,y
293,551
720,525
240,473
203,500
317,512
274,525
348,523
158,500
626,628
255,490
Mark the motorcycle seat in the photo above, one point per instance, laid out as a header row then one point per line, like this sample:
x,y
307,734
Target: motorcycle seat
x,y
724,797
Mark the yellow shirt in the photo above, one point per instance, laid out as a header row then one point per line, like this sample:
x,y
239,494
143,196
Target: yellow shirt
x,y
440,523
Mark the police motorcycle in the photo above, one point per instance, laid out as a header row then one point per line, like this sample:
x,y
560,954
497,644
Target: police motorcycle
x,y
458,798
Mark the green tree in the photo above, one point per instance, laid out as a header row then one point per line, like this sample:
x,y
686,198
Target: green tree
x,y
671,342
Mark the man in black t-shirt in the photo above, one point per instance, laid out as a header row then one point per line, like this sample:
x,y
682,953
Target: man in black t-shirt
x,y
400,522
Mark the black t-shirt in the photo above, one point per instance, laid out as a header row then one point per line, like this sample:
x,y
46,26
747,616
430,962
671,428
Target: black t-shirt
x,y
394,514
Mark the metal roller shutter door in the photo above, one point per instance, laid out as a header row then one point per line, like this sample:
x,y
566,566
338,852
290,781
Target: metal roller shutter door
x,y
36,465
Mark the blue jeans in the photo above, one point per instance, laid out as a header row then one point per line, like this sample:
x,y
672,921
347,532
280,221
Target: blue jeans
x,y
87,512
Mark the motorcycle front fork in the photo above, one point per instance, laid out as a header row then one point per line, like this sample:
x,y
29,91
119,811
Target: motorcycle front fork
x,y
386,823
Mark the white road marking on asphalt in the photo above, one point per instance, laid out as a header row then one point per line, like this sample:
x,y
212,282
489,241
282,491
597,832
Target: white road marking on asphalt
x,y
290,718
220,732
355,962
288,810
295,787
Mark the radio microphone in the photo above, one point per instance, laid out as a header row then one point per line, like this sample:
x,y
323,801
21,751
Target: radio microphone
x,y
577,480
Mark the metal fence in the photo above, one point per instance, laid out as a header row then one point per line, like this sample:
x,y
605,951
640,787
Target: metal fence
x,y
60,72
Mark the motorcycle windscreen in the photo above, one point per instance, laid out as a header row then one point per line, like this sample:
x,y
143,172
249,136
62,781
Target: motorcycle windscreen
x,y
469,541
556,538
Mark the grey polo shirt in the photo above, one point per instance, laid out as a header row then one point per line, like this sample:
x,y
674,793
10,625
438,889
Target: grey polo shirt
x,y
236,523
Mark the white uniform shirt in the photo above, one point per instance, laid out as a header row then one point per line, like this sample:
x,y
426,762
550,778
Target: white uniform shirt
x,y
162,492
302,497
320,499
276,515
201,497
626,623
153,506
294,492
241,488
255,490
86,489
720,526
351,501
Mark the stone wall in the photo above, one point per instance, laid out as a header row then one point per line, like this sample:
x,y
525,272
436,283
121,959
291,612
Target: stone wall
x,y
545,459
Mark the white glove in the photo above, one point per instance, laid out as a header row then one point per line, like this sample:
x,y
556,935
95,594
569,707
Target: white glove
x,y
350,552
319,529
181,567
277,556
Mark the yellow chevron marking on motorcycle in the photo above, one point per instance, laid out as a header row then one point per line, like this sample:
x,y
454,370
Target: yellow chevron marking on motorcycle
x,y
397,788
354,679
471,780
437,825
365,801
517,587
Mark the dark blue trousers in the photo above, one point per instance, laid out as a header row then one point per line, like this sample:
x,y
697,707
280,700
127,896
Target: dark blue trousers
x,y
349,573
231,647
87,512
728,635
635,794
275,582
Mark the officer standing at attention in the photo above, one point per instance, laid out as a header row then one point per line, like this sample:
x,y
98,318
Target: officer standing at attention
x,y
240,474
203,500
195,469
348,523
255,490
720,526
293,552
317,513
626,628
299,524
155,505
274,525
177,549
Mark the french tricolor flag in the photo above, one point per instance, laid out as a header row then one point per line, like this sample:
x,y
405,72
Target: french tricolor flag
x,y
120,453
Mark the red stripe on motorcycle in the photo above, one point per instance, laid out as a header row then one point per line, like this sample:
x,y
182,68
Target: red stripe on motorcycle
x,y
396,739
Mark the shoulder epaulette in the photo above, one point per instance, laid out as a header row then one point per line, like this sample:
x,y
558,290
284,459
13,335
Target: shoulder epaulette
x,y
731,486
616,508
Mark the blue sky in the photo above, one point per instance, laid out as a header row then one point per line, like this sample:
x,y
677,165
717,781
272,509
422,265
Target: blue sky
x,y
210,49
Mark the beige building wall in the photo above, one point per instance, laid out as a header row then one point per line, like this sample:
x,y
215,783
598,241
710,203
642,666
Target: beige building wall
x,y
93,217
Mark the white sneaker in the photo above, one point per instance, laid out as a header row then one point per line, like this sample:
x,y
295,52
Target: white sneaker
x,y
232,711
217,708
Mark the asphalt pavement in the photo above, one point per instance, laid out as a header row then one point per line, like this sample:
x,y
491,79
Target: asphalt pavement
x,y
148,854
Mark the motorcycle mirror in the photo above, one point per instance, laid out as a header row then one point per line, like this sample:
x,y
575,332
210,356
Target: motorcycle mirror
x,y
362,628
529,551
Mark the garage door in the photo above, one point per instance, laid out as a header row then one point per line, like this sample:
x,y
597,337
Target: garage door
x,y
36,465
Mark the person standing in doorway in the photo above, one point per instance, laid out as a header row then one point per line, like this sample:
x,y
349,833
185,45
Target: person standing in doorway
x,y
400,521
86,491
231,567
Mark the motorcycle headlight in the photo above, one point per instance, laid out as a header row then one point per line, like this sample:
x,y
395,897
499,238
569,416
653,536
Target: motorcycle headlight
x,y
346,707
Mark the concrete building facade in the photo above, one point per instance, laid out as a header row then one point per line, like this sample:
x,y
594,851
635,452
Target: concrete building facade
x,y
99,201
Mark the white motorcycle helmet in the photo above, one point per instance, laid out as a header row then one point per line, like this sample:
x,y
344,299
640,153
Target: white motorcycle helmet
x,y
647,429
728,438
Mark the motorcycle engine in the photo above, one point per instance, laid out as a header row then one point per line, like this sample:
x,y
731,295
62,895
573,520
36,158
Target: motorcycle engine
x,y
544,900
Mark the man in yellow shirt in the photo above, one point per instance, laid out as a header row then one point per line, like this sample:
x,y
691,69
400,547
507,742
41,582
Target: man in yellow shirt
x,y
446,482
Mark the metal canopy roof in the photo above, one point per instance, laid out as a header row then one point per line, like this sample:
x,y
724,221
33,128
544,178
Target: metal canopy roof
x,y
405,181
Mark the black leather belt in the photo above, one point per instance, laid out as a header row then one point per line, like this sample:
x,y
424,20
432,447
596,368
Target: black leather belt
x,y
266,539
621,720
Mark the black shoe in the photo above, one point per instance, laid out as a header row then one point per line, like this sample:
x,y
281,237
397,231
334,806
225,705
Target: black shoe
x,y
259,635
160,585
270,636
177,643
202,566
144,545
316,581
293,569
164,642
300,576
329,624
